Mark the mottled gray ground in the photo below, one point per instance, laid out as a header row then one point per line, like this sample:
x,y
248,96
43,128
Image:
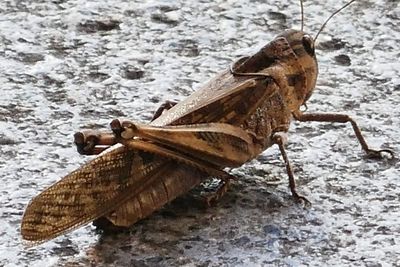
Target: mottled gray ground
x,y
67,65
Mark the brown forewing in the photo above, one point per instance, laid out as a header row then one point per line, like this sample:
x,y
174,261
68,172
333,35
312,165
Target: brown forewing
x,y
91,191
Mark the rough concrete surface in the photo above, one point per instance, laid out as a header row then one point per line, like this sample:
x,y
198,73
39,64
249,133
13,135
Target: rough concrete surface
x,y
69,65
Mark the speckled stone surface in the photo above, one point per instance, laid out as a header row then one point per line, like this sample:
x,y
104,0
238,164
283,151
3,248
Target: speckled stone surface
x,y
69,65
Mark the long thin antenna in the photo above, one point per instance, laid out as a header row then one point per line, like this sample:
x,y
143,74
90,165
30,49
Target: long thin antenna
x,y
302,15
331,16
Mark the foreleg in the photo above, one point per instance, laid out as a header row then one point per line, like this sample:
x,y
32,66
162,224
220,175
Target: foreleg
x,y
342,118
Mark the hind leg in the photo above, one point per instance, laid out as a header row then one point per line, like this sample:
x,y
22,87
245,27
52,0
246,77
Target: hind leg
x,y
223,187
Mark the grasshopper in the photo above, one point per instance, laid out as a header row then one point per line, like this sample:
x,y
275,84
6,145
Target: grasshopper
x,y
244,110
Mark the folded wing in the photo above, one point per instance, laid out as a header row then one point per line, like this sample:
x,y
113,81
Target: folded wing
x,y
91,191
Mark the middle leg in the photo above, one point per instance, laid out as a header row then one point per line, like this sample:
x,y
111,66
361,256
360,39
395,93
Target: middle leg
x,y
343,118
280,139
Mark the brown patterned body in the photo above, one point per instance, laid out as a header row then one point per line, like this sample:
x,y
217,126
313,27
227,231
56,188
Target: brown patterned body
x,y
264,113
226,123
272,116
126,185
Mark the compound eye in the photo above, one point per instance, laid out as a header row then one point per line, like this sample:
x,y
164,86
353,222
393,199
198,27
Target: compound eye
x,y
308,44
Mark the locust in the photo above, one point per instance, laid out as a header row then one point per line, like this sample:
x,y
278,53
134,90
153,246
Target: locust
x,y
229,121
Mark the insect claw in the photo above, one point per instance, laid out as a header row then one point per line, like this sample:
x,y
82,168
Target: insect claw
x,y
79,140
212,198
85,142
116,127
305,107
378,154
105,226
302,200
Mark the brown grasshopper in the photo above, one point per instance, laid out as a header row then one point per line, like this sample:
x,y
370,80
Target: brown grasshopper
x,y
229,121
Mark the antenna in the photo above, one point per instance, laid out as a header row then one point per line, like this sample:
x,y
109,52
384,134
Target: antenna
x,y
302,15
331,16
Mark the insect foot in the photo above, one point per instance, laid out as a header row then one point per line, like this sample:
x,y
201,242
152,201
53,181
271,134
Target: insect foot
x,y
379,154
116,127
301,200
280,138
343,118
85,142
223,187
124,129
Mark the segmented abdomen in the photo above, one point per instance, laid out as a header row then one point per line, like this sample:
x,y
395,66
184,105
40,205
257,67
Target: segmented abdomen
x,y
170,184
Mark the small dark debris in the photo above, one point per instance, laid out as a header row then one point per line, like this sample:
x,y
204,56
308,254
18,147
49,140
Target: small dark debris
x,y
98,76
65,251
316,222
58,48
378,81
56,96
23,79
22,40
30,58
393,15
64,243
143,61
14,112
133,13
161,17
92,26
334,44
4,41
343,60
337,210
190,51
351,105
132,73
7,141
155,99
277,16
383,230
116,113
62,115
59,2
49,81
186,47
241,241
167,8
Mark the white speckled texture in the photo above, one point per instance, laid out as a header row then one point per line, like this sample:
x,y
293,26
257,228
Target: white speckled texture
x,y
59,73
